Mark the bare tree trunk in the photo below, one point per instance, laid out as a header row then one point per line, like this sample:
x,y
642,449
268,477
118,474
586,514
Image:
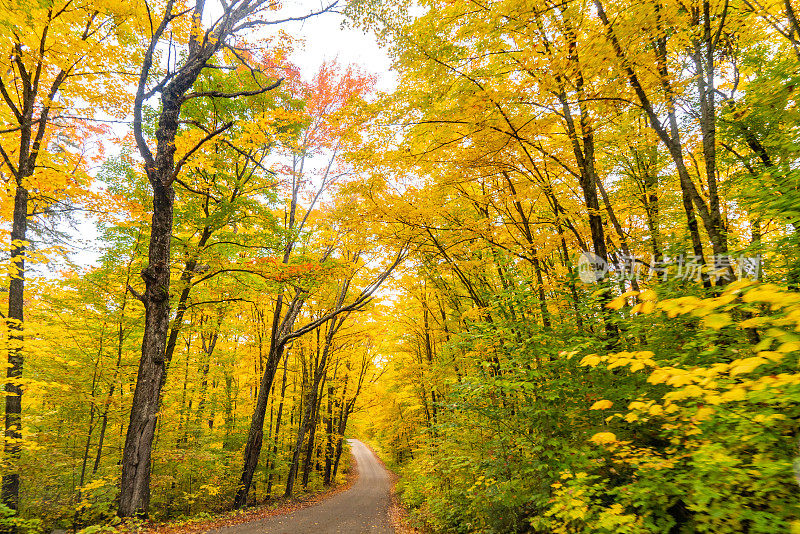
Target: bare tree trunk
x,y
16,317
312,433
329,448
340,437
309,413
255,435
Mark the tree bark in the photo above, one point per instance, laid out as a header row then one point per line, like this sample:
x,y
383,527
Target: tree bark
x,y
255,435
135,483
276,434
16,317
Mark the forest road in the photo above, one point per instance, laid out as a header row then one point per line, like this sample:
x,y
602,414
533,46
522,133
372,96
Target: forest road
x,y
362,508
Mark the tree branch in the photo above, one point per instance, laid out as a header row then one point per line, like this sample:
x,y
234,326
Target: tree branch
x,y
196,147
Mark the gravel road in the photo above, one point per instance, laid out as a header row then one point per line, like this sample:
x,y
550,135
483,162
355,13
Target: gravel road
x,y
362,508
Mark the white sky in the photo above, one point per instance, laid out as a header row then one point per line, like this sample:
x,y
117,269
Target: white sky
x,y
326,39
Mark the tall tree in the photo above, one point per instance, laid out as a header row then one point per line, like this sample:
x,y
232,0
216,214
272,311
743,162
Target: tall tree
x,y
173,85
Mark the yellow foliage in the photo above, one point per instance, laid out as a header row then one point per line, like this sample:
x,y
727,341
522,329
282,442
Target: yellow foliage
x,y
717,320
591,360
603,438
746,365
648,295
602,405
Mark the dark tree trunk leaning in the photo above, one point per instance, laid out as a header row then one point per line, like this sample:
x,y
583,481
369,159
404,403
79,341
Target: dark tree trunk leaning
x,y
282,334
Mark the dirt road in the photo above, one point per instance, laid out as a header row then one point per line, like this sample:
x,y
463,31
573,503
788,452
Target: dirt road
x,y
363,508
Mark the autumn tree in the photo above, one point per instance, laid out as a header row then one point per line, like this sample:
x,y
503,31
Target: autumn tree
x,y
174,88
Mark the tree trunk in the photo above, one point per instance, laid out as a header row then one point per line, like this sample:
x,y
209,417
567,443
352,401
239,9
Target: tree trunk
x,y
309,413
255,436
16,316
135,483
312,435
340,437
326,476
276,434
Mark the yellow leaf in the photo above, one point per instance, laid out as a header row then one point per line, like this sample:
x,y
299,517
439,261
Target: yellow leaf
x,y
717,320
790,346
648,306
602,405
746,365
604,437
774,356
592,360
648,294
704,413
734,394
616,304
636,366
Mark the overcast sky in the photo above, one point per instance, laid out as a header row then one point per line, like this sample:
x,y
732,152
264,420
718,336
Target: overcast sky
x,y
326,39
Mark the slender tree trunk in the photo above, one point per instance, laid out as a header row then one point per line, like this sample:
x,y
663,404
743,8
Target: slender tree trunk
x,y
340,437
429,360
186,403
329,449
313,432
308,421
120,341
229,423
92,411
308,415
16,359
534,253
309,447
255,436
339,434
276,434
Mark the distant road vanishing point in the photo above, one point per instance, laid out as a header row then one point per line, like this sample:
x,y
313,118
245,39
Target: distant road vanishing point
x,y
364,508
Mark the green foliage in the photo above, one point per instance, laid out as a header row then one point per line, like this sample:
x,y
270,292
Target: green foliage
x,y
689,433
9,520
